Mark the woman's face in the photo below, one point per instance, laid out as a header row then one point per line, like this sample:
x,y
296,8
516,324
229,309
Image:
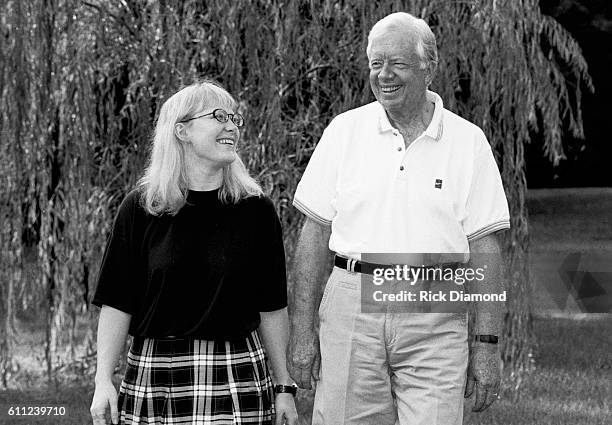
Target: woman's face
x,y
209,142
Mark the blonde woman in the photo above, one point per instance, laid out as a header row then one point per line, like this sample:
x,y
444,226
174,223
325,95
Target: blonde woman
x,y
194,270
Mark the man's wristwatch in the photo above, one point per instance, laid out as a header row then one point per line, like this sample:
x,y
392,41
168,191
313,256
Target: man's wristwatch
x,y
491,339
291,389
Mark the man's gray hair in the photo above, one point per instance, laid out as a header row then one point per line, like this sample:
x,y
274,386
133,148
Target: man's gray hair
x,y
426,43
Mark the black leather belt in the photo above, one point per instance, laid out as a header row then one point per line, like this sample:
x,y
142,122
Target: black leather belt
x,y
368,268
358,266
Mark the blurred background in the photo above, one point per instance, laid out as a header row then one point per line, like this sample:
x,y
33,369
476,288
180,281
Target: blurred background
x,y
82,82
590,24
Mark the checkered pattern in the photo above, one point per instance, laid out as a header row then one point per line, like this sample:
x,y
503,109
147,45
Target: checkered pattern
x,y
198,382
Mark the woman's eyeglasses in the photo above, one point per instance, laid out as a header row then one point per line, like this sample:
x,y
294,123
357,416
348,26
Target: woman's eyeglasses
x,y
222,116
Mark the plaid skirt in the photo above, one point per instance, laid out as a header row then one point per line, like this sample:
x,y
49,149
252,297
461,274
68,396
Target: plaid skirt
x,y
194,381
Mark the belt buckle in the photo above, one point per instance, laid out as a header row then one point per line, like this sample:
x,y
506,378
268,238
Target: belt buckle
x,y
350,265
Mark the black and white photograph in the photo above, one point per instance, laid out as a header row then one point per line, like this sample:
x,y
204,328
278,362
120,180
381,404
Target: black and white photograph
x,y
292,212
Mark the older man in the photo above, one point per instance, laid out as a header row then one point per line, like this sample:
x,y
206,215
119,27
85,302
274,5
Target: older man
x,y
399,175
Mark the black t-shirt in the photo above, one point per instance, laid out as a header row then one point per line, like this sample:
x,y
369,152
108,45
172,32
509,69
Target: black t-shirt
x,y
204,273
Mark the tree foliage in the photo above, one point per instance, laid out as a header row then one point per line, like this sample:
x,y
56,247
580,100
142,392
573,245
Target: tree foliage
x,y
82,81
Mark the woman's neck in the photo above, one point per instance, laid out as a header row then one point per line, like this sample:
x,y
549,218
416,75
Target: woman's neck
x,y
202,178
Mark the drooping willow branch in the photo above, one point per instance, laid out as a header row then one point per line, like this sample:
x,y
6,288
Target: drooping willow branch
x,y
82,81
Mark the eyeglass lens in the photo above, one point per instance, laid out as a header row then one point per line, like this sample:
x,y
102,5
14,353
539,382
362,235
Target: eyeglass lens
x,y
222,116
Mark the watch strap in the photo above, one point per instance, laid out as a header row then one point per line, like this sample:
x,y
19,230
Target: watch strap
x,y
291,389
490,339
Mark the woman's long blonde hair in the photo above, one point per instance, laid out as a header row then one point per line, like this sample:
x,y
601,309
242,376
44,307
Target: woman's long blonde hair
x,y
164,185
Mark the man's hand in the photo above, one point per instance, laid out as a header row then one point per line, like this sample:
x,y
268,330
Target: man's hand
x,y
286,413
483,374
105,395
304,359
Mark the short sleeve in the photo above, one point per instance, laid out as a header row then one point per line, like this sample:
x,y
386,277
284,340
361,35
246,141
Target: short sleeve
x,y
116,278
487,207
272,279
316,190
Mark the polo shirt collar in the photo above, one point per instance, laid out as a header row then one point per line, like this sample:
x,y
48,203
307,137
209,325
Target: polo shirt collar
x,y
435,127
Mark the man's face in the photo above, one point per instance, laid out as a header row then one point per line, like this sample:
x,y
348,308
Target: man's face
x,y
396,77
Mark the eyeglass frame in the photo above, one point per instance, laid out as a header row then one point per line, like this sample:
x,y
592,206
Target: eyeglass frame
x,y
229,117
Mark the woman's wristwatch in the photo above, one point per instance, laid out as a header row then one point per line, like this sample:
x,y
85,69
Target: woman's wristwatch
x,y
291,389
490,339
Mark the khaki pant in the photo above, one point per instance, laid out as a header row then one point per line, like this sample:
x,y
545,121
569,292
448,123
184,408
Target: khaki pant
x,y
387,368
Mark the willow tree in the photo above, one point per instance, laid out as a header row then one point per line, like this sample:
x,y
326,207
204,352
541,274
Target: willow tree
x,y
81,82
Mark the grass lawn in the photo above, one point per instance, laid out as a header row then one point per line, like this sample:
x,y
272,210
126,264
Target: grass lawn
x,y
572,379
569,220
76,401
563,222
571,384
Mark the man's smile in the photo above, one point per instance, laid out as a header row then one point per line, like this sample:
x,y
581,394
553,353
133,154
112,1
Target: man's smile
x,y
389,89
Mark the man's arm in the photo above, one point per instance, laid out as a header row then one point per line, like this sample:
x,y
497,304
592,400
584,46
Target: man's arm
x,y
484,365
486,253
310,268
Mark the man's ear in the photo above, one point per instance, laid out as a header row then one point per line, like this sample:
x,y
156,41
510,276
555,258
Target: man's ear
x,y
180,131
431,73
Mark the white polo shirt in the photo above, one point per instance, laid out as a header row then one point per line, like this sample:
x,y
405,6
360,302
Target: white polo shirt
x,y
379,197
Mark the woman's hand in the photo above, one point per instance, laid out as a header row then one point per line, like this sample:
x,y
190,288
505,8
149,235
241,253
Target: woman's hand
x,y
286,413
104,395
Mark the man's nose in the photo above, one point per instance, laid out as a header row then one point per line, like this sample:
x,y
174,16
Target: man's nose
x,y
385,71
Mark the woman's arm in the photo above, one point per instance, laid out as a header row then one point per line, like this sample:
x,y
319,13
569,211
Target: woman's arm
x,y
274,330
113,327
